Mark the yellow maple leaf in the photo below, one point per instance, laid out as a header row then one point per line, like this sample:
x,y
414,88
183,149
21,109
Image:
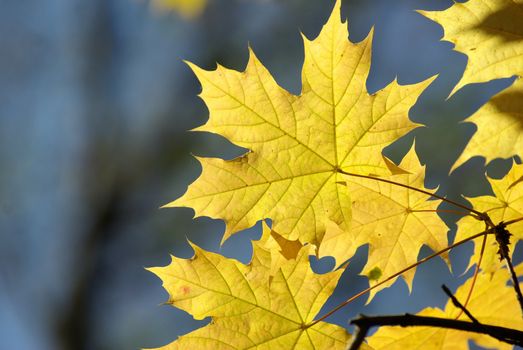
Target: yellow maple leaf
x,y
298,144
252,306
395,221
490,33
186,8
492,303
505,205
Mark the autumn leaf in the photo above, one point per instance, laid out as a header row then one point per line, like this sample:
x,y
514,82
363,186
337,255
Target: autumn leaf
x,y
493,302
490,33
299,145
252,308
395,221
187,8
505,205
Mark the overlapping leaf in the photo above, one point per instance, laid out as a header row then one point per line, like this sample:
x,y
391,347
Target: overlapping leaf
x,y
505,205
395,221
490,33
492,303
310,169
298,144
266,304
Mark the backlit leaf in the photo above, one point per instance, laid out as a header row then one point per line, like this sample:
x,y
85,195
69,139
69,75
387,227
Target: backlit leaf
x,y
395,221
490,33
298,144
252,308
505,205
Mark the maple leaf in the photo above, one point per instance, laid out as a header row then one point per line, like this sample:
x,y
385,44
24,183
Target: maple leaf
x,y
299,145
254,306
395,221
187,8
505,205
492,303
490,33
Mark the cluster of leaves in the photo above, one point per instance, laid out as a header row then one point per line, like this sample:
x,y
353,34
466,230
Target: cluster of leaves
x,y
315,168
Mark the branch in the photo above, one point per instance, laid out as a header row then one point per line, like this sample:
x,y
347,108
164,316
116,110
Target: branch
x,y
510,222
503,239
515,282
457,304
364,323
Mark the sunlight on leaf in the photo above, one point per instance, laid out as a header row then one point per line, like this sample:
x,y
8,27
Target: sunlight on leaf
x,y
250,307
395,221
315,168
505,205
298,144
490,33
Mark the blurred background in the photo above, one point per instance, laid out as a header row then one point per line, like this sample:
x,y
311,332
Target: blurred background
x,y
95,104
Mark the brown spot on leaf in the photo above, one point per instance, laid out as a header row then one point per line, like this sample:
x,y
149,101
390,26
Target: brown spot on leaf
x,y
289,249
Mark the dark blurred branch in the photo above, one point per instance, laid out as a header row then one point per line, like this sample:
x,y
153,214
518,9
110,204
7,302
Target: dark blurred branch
x,y
113,171
73,326
102,190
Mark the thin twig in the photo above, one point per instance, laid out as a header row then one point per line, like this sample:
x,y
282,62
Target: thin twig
x,y
457,304
363,292
510,222
364,323
359,337
480,215
503,240
515,282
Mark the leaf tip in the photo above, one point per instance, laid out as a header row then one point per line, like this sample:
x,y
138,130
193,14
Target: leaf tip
x,y
150,269
336,14
172,204
393,168
201,128
195,68
229,231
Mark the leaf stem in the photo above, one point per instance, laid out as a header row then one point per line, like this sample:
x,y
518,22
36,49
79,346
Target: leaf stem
x,y
459,212
475,277
365,291
480,215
